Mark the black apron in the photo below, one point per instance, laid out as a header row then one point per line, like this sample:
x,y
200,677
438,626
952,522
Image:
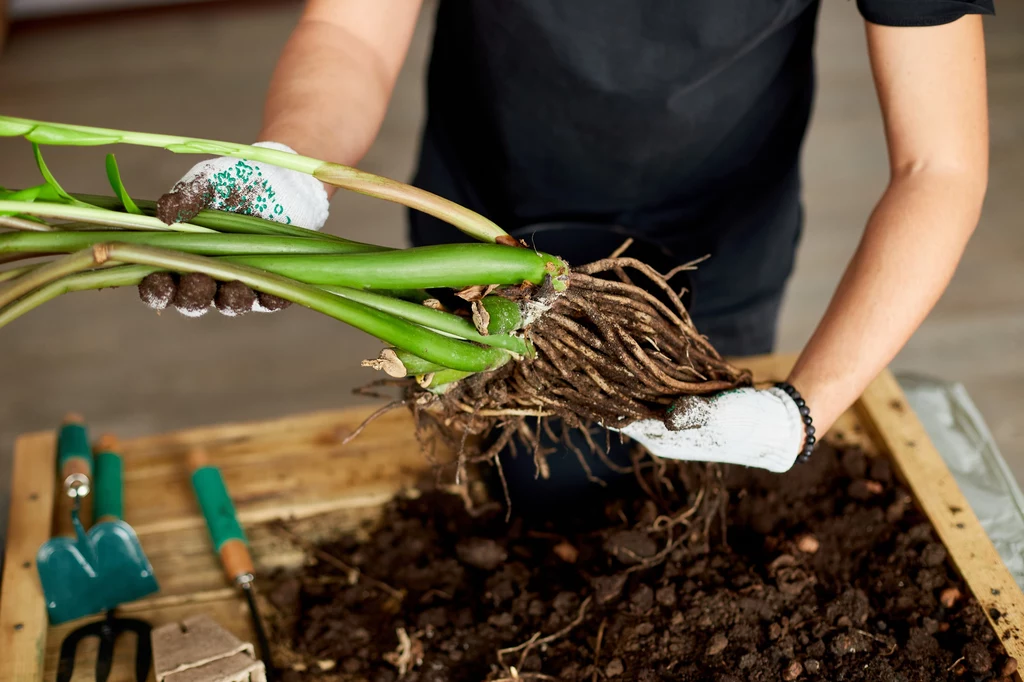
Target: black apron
x,y
679,121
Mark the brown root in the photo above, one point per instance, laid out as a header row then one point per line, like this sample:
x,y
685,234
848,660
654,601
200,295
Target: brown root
x,y
608,352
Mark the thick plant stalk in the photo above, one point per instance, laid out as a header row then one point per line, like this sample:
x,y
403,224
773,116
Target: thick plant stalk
x,y
120,276
14,273
96,216
448,265
44,274
24,225
213,244
434,319
429,345
468,221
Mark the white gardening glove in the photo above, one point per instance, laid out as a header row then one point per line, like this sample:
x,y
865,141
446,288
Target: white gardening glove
x,y
748,426
228,184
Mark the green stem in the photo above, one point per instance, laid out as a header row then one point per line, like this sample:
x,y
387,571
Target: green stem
x,y
120,276
447,265
466,220
429,345
44,274
14,273
24,225
445,377
96,216
428,317
212,244
222,221
415,365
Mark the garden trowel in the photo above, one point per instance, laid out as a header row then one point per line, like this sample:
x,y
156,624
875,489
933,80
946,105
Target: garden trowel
x,y
97,570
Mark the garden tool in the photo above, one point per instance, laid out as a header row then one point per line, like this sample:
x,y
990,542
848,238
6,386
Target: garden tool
x,y
67,565
123,566
101,568
229,540
107,631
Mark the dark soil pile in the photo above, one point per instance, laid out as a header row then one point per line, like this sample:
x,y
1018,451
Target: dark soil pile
x,y
827,573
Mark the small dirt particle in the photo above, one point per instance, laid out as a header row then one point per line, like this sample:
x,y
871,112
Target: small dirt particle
x,y
933,555
666,596
808,544
793,671
850,643
812,666
631,547
977,657
774,631
881,470
566,552
949,597
717,644
1009,667
642,598
608,588
864,489
855,463
482,553
614,668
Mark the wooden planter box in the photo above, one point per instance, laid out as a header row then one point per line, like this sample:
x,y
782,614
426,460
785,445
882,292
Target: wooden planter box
x,y
295,468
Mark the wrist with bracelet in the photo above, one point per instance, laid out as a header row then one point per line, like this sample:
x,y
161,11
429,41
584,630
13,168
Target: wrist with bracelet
x,y
805,415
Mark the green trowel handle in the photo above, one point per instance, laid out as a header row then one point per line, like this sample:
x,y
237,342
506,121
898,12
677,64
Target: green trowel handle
x,y
74,456
108,503
226,532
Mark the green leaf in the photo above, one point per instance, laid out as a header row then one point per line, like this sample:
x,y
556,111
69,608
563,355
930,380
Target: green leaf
x,y
48,176
12,127
43,192
114,176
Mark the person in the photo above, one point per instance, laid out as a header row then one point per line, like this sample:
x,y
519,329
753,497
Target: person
x,y
680,124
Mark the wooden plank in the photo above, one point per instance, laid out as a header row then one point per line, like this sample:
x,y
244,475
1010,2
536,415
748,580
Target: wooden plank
x,y
23,619
899,430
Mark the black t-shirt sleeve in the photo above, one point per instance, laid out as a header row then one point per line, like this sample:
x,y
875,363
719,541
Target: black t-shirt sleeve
x,y
921,12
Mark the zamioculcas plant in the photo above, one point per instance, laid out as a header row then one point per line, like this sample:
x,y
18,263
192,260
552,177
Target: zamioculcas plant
x,y
527,335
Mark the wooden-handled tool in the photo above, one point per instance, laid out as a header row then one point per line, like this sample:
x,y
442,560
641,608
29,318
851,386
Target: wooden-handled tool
x,y
229,540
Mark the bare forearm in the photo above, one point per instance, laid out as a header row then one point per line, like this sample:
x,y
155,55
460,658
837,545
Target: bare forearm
x,y
326,98
908,255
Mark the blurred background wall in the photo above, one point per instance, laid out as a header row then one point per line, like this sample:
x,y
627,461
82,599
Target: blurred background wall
x,y
201,69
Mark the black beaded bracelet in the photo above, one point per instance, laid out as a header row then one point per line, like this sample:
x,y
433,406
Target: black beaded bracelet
x,y
805,414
